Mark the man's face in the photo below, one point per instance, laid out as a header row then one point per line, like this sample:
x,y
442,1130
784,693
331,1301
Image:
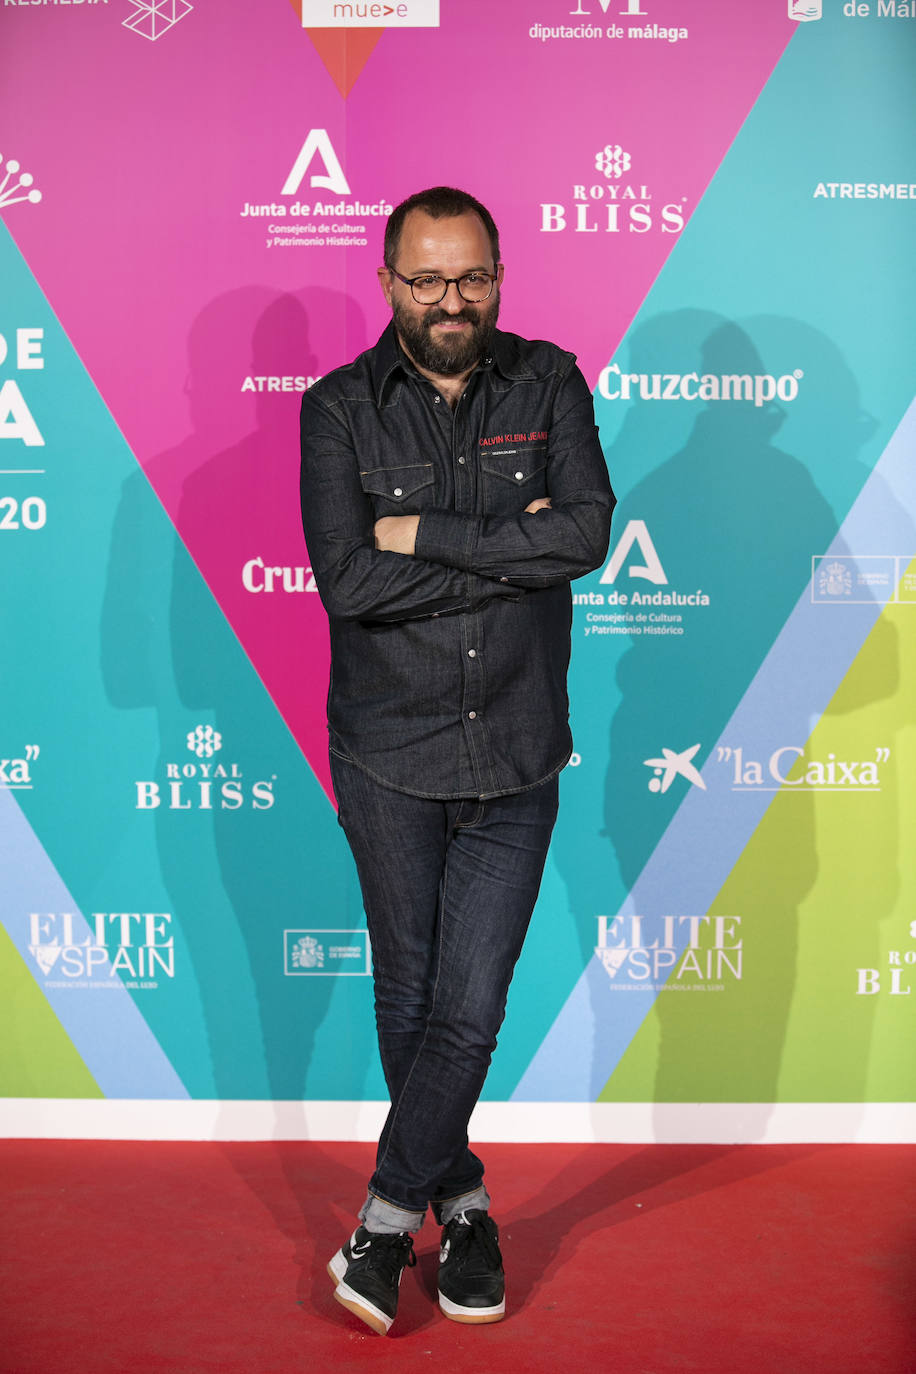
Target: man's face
x,y
450,338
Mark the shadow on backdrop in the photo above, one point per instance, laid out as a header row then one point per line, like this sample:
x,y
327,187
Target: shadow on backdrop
x,y
236,877
737,517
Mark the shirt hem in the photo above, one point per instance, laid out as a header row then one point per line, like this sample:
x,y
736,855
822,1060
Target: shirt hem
x,y
453,796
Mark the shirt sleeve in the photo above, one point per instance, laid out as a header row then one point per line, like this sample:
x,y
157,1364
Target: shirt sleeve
x,y
357,581
552,545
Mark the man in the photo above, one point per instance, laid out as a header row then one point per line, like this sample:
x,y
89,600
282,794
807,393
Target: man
x,y
452,485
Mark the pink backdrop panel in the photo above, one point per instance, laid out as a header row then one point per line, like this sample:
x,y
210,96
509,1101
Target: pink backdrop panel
x,y
175,294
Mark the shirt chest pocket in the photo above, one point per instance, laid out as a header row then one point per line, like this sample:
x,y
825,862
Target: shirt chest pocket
x,y
512,478
404,490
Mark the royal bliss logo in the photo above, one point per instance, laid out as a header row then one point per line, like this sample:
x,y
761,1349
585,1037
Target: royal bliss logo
x,y
614,205
900,965
205,785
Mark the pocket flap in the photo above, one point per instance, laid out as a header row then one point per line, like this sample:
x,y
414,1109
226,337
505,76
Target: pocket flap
x,y
517,466
397,484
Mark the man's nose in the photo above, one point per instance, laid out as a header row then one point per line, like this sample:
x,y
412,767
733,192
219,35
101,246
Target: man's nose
x,y
452,300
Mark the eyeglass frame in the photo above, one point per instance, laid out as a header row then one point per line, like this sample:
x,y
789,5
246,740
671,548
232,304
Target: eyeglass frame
x,y
449,281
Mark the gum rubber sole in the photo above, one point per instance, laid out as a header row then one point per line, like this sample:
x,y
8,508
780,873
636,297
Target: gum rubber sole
x,y
360,1307
472,1321
374,1319
471,1316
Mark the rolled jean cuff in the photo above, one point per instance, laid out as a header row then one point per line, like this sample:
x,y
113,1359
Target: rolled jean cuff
x,y
446,1208
385,1219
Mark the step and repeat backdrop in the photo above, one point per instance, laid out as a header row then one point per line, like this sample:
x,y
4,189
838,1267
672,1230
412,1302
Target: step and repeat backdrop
x,y
713,205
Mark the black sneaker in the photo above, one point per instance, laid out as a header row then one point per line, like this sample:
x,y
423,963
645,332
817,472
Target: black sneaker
x,y
472,1286
367,1271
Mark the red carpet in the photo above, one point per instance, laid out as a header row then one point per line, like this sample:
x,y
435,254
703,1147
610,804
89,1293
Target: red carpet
x,y
632,1259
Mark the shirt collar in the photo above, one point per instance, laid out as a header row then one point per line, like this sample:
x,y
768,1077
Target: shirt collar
x,y
389,359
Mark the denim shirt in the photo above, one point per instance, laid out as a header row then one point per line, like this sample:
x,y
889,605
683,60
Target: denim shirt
x,y
448,667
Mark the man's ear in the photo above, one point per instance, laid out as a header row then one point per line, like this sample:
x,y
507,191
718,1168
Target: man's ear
x,y
500,273
386,282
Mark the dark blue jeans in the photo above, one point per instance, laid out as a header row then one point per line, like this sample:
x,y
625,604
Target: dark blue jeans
x,y
448,887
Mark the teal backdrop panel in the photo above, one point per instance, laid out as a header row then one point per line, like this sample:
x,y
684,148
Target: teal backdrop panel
x,y
178,869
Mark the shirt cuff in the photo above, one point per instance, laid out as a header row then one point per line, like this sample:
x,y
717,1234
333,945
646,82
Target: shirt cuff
x,y
448,537
484,589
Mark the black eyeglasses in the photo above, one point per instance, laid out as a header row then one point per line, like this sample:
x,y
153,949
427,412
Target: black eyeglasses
x,y
430,288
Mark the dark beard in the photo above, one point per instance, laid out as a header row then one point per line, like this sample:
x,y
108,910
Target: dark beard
x,y
450,358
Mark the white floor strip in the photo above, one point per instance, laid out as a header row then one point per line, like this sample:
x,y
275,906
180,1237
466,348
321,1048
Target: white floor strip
x,y
522,1122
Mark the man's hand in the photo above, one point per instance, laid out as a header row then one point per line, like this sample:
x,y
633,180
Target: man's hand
x,y
397,533
542,503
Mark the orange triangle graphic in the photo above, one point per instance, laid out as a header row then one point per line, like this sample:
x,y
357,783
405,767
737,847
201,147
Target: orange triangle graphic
x,y
343,51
